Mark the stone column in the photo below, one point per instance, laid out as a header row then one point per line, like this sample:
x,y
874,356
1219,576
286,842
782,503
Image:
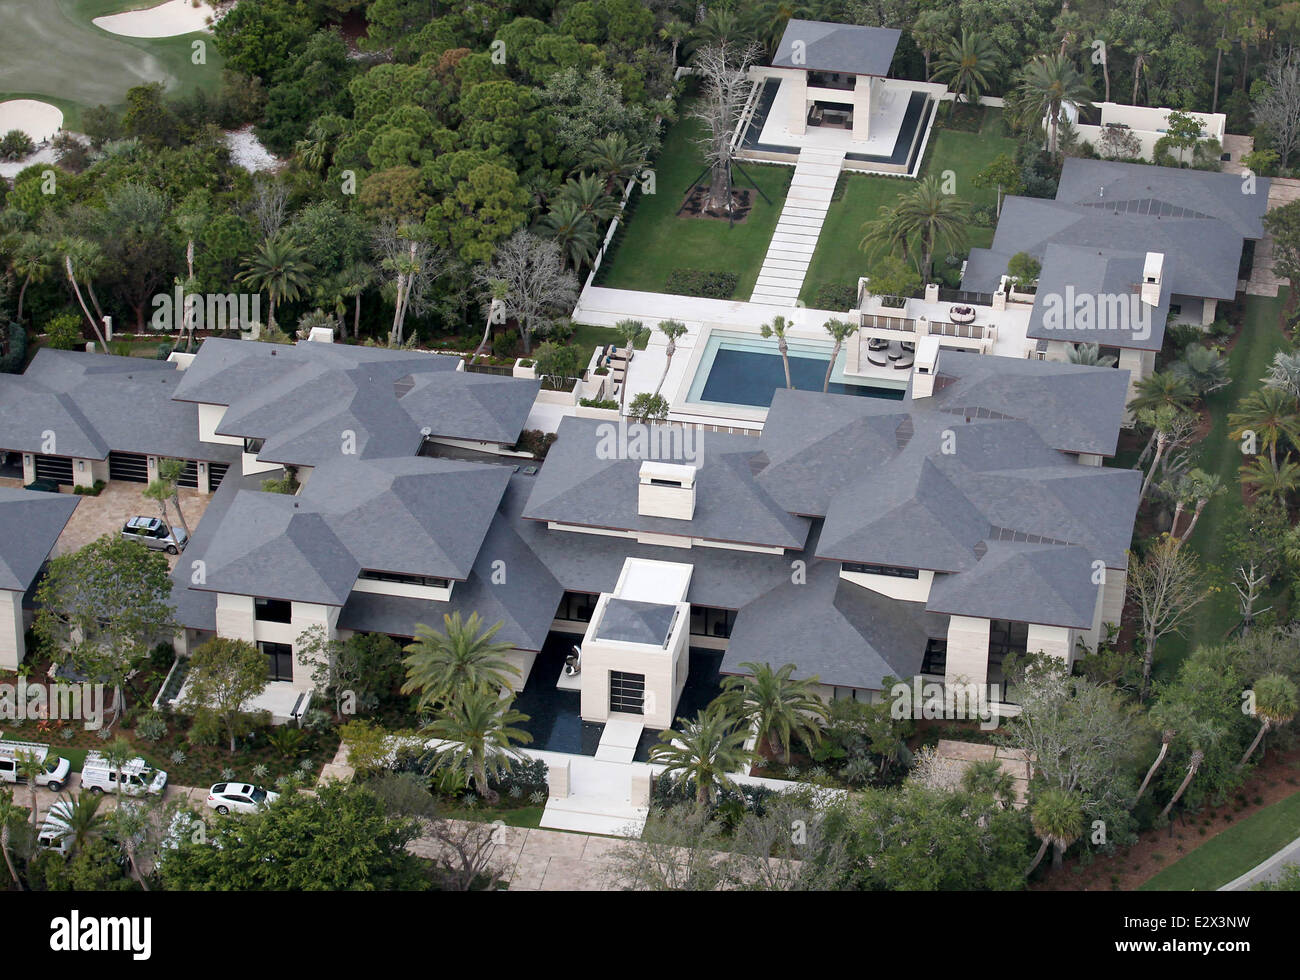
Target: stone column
x,y
862,85
798,119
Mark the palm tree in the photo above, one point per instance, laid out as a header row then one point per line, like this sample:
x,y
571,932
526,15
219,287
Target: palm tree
x,y
573,230
633,332
1204,370
1284,373
1198,488
8,810
1200,736
29,768
1143,51
968,65
1269,413
1046,84
1057,819
31,263
1273,482
1275,705
615,160
925,214
674,32
988,776
448,666
781,708
705,752
130,824
1089,354
672,329
777,329
1166,736
478,735
590,195
1162,389
117,754
840,331
498,290
280,269
79,253
82,820
930,30
354,280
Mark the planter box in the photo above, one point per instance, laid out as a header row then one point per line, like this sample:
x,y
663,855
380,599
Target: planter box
x,y
548,396
586,412
520,371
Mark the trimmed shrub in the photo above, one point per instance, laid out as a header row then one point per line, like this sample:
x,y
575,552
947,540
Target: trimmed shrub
x,y
837,296
63,332
697,282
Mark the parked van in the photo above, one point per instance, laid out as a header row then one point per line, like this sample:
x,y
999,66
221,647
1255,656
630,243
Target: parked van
x,y
98,776
53,835
54,774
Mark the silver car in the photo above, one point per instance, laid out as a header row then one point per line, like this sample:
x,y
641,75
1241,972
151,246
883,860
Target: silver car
x,y
153,533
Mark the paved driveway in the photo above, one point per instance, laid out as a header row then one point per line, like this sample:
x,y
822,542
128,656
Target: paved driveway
x,y
105,514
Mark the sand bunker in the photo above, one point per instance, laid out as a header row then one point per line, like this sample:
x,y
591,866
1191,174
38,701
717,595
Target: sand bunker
x,y
166,20
39,120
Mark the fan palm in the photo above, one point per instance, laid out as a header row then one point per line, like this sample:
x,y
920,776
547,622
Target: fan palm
x,y
448,666
1089,354
633,332
1200,736
777,329
1270,415
781,708
573,230
672,329
1275,705
32,263
1057,819
674,32
1046,84
988,776
279,268
840,331
967,65
478,735
1284,373
706,751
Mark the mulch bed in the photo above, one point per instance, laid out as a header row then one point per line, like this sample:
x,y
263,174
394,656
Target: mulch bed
x,y
741,205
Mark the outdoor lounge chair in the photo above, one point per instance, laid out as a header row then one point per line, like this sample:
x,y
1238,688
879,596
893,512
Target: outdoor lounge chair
x,y
878,343
878,358
906,361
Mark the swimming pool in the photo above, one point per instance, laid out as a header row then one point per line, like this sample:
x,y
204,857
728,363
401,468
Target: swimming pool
x,y
745,369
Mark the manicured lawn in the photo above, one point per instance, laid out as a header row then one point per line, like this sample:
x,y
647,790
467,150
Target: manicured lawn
x,y
838,259
50,50
522,816
1233,852
1260,338
656,241
587,336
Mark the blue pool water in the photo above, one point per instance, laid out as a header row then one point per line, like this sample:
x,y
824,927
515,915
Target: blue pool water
x,y
742,369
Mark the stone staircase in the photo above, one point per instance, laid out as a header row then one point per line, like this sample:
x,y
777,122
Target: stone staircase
x,y
795,238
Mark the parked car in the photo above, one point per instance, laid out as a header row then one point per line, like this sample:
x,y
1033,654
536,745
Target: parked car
x,y
239,797
54,832
98,776
44,486
54,776
153,533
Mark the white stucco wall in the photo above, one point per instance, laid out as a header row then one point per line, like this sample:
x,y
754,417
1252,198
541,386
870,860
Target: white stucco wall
x,y
12,646
968,650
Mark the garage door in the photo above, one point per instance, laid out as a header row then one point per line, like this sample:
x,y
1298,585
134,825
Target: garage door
x,y
216,473
131,467
189,476
56,468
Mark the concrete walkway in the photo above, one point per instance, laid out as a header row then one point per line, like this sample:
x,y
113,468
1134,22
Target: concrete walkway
x,y
1263,280
528,859
1268,870
795,238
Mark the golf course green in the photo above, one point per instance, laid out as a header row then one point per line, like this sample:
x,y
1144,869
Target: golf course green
x,y
50,50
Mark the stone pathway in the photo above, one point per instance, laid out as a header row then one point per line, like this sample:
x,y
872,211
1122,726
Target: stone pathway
x,y
954,758
795,238
1263,281
542,860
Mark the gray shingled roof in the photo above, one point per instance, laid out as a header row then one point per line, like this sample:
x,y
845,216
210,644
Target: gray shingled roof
x,y
837,47
633,621
97,403
1076,275
30,524
1009,574
577,486
1197,219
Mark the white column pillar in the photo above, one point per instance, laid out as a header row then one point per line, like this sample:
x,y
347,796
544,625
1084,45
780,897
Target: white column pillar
x,y
12,643
798,118
862,107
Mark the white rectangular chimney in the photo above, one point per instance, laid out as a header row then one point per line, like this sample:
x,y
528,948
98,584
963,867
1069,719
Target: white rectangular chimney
x,y
1152,270
666,490
924,365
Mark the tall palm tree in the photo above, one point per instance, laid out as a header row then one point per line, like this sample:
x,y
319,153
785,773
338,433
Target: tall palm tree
x,y
615,160
279,268
29,768
8,810
478,732
82,820
968,65
354,280
1046,84
781,708
169,474
573,230
674,32
933,218
633,332
448,666
1200,736
1057,819
1162,389
1166,736
840,331
777,329
706,751
498,290
1198,488
1270,413
1143,51
130,824
78,254
1275,705
31,263
931,30
1270,481
672,329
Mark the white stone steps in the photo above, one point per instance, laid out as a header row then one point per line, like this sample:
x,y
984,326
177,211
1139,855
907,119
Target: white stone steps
x,y
794,239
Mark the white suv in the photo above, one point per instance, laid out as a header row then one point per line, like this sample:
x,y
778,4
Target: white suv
x,y
153,533
240,797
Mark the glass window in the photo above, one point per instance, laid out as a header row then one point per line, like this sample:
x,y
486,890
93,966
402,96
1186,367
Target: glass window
x,y
273,610
626,692
279,658
890,570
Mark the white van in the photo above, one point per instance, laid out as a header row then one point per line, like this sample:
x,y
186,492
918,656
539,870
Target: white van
x,y
54,774
53,835
98,776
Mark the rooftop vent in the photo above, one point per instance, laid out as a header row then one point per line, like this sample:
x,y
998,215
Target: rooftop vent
x,y
924,366
666,490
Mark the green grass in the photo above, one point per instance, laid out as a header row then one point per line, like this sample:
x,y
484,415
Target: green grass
x,y
523,816
50,50
838,259
1233,852
656,241
1260,338
587,336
